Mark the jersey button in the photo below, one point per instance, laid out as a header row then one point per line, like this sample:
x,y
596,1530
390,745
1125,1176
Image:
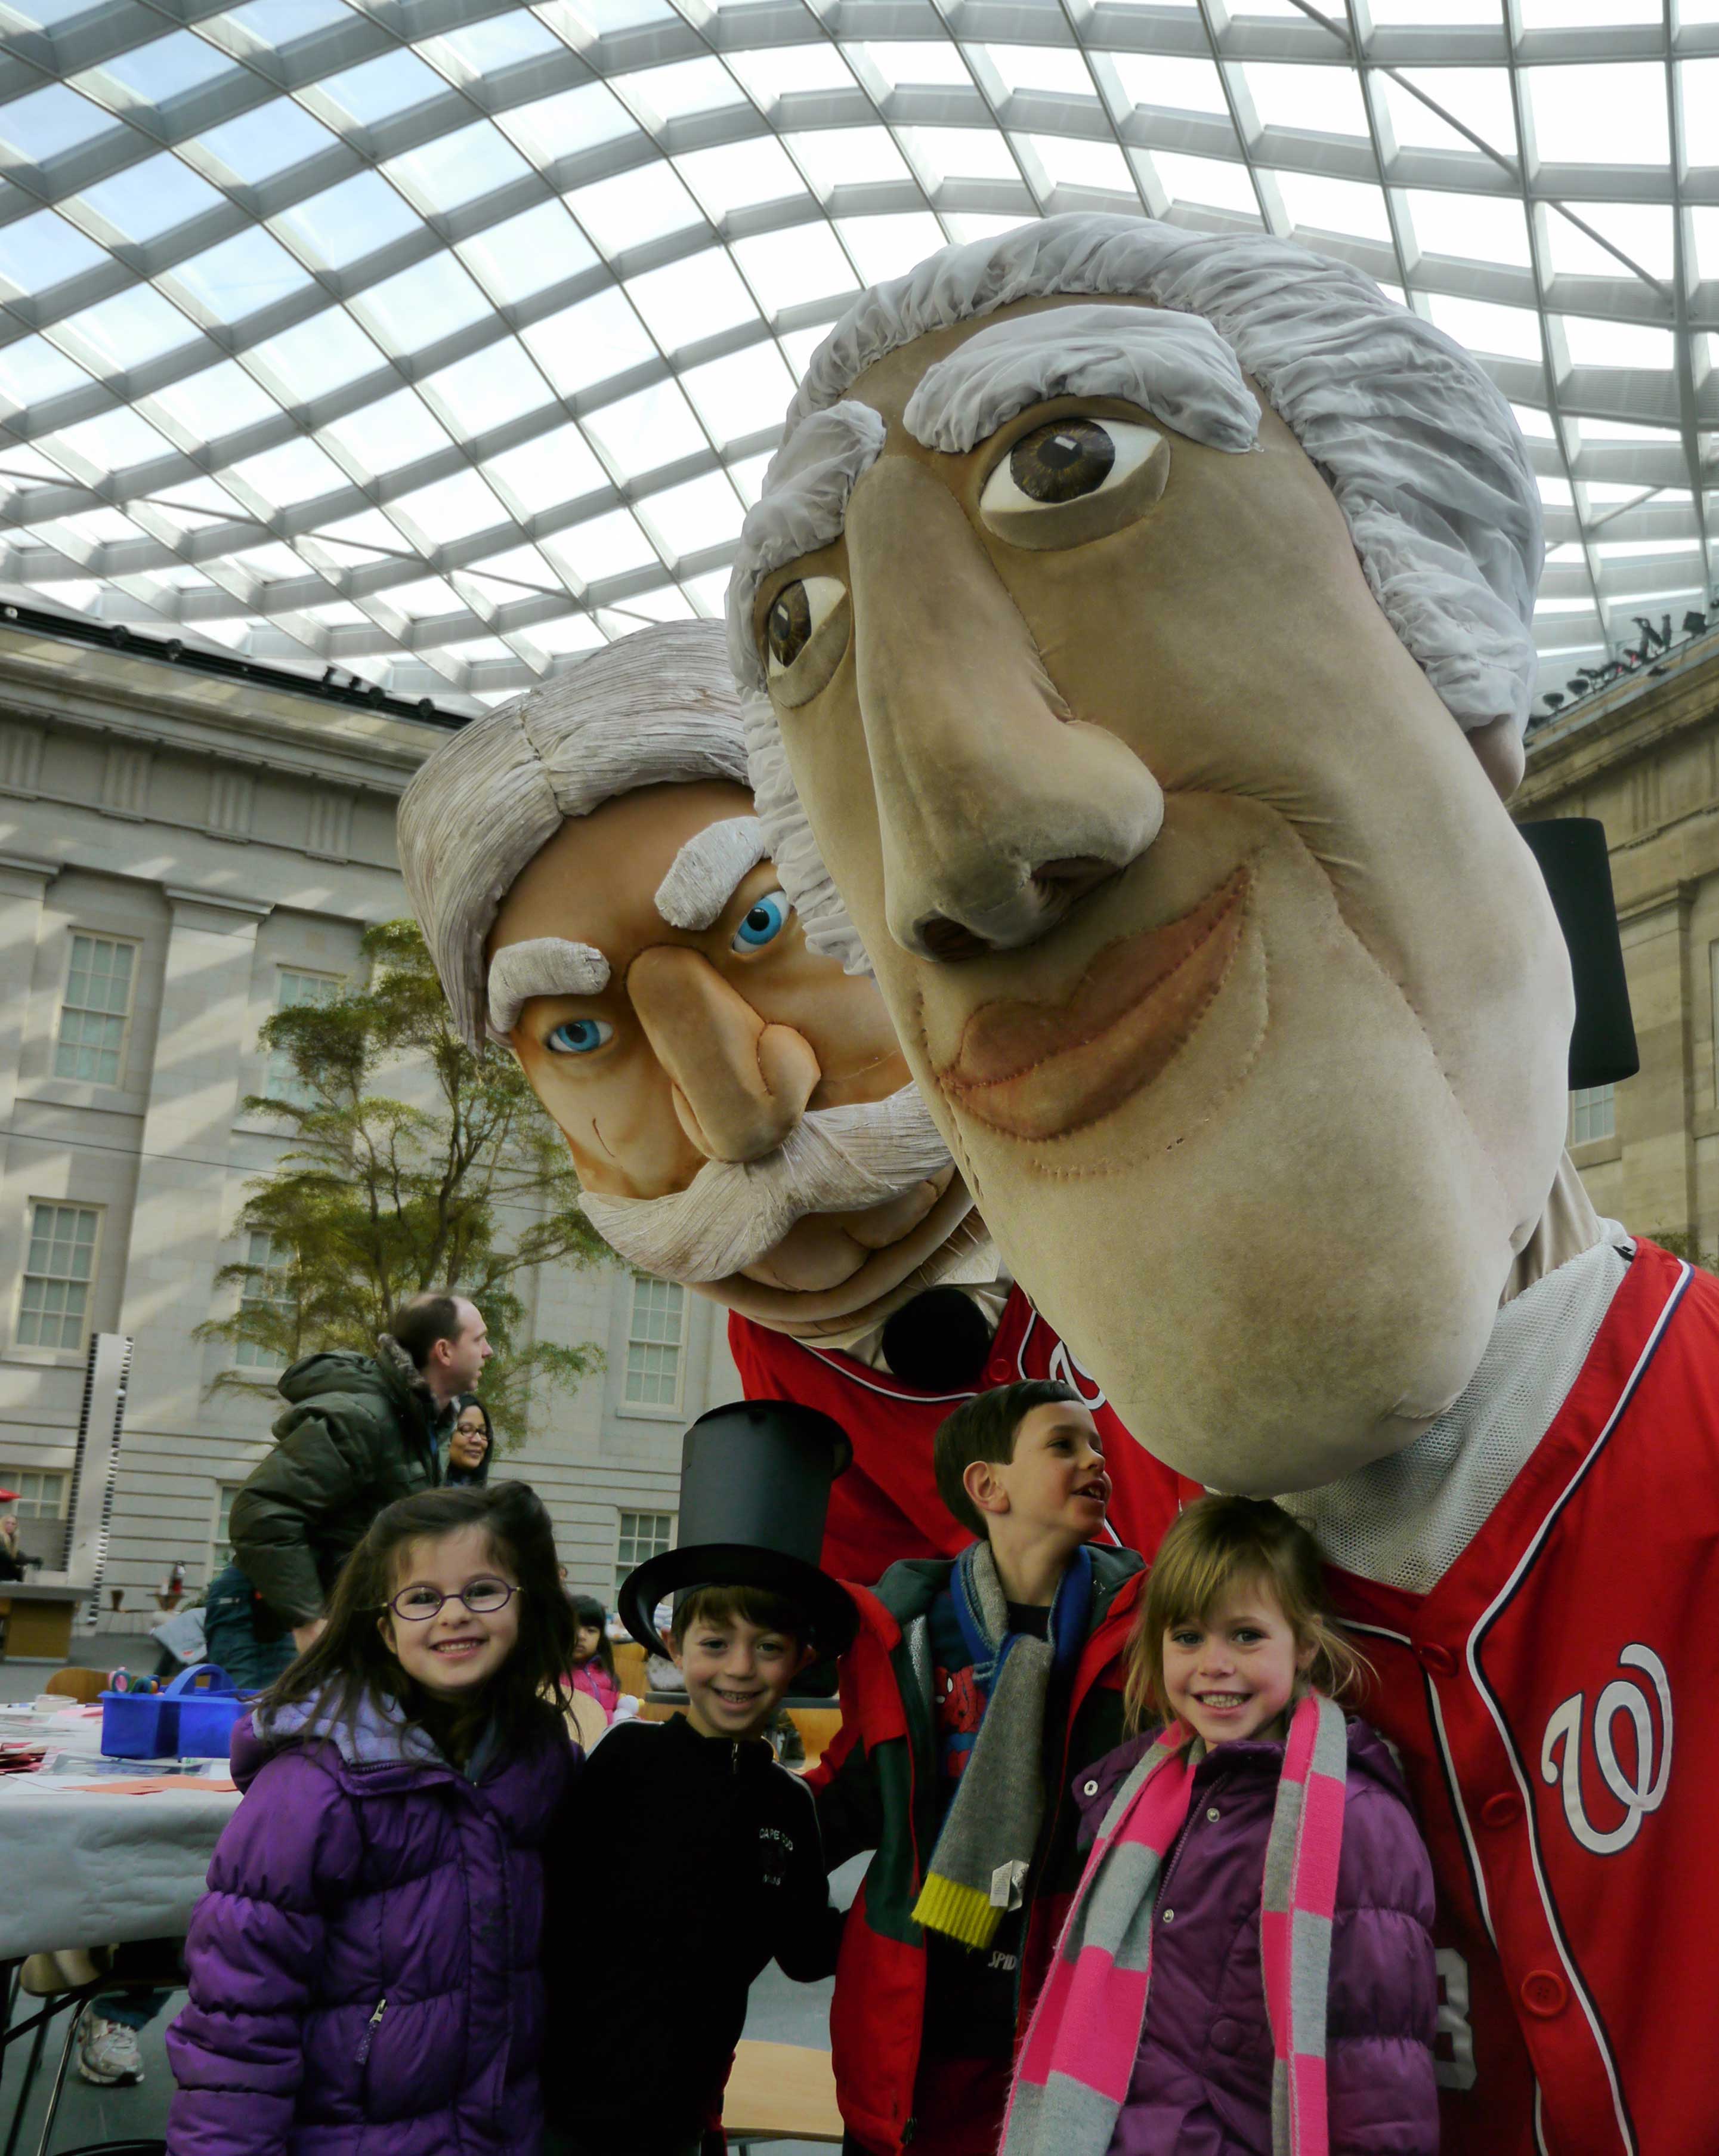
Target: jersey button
x,y
1439,1661
1544,1993
1504,1810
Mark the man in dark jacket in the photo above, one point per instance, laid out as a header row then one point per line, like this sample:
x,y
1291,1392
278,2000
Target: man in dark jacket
x,y
359,1432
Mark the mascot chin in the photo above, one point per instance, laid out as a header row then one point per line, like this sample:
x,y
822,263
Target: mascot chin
x,y
599,897
1135,631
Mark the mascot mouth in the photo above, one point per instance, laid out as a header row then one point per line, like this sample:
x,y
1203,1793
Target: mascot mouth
x,y
1042,1070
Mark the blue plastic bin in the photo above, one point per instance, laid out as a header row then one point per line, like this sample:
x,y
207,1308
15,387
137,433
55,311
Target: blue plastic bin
x,y
192,1719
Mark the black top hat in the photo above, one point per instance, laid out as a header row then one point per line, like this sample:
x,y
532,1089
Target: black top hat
x,y
755,1481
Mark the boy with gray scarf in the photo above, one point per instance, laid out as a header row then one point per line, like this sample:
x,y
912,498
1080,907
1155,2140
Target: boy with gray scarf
x,y
975,1691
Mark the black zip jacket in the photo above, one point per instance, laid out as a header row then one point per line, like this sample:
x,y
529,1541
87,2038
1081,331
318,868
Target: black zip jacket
x,y
687,1864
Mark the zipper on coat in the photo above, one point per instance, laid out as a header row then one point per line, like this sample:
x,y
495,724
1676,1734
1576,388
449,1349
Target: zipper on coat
x,y
370,2028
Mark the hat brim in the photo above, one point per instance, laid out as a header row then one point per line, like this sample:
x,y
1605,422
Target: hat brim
x,y
829,1610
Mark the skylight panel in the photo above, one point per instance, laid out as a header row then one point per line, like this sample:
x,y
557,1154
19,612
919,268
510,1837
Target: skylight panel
x,y
344,222
180,577
708,593
578,20
166,68
453,169
92,527
644,432
1049,68
1585,14
1554,493
691,299
1632,550
297,471
1170,84
1535,424
1325,99
1507,332
216,403
267,139
362,538
278,23
113,442
955,153
566,633
740,174
686,520
548,471
38,251
591,342
519,256
925,63
665,603
785,268
450,509
244,273
383,437
570,121
743,394
884,247
48,122
32,370
634,207
1593,343
317,357
487,390
1698,87
426,598
1478,99
678,91
1316,204
603,547
1206,181
1067,163
1642,230
151,198
380,89
273,562
337,614
199,501
1434,13
965,225
519,572
49,14
1470,228
847,156
1704,230
1593,115
422,305
485,49
132,328
781,71
1620,430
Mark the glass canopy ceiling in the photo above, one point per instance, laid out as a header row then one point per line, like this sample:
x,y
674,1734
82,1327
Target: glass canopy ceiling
x,y
438,340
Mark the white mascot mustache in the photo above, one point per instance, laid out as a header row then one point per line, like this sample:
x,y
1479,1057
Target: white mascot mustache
x,y
834,1160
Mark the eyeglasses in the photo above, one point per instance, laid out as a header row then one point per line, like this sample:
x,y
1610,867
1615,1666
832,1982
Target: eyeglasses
x,y
417,1606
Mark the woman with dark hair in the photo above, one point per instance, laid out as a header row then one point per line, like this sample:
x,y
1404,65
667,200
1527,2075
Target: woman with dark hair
x,y
471,1445
593,1664
364,1964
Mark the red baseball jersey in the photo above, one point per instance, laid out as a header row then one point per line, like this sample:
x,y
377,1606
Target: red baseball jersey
x,y
1553,1701
887,1506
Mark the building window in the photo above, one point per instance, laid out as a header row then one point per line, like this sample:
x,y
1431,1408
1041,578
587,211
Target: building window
x,y
54,1309
40,1496
643,1535
293,991
98,1003
1593,1114
654,1337
221,1551
267,1289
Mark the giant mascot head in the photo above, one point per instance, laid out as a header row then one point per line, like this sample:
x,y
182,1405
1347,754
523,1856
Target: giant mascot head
x,y
597,896
1136,627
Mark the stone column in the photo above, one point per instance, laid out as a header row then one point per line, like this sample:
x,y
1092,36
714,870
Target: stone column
x,y
194,1093
1655,1109
23,885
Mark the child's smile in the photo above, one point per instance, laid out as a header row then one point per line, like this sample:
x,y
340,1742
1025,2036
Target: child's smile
x,y
1231,1674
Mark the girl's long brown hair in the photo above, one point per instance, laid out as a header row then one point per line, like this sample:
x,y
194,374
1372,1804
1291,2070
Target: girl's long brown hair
x,y
1217,1542
350,1662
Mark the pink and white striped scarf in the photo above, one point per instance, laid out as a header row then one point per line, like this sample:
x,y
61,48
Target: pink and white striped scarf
x,y
1072,2077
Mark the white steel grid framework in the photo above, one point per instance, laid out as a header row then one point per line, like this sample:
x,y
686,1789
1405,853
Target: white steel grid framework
x,y
438,340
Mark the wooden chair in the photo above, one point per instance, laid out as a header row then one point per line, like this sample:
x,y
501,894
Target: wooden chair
x,y
84,1686
780,2092
629,1668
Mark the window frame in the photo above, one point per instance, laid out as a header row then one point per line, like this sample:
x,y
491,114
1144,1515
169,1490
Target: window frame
x,y
16,1477
1584,1101
623,1565
645,1284
36,1348
220,1545
264,1362
279,1082
122,1052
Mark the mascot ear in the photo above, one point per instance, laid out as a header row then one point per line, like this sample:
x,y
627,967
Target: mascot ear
x,y
938,1343
1502,758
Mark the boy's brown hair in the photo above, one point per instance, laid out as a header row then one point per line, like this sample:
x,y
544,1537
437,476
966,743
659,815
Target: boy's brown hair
x,y
985,1427
1215,1544
721,1604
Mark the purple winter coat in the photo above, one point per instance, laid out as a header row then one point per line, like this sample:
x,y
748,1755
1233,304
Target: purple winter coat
x,y
1202,2080
364,1967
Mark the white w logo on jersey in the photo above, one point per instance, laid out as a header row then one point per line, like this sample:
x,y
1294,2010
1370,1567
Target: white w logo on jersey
x,y
1640,1795
1064,1366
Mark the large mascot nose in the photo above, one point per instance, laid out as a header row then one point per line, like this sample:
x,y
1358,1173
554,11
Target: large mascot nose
x,y
740,1086
996,809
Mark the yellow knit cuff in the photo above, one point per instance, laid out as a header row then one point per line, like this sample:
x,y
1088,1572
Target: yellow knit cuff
x,y
962,1914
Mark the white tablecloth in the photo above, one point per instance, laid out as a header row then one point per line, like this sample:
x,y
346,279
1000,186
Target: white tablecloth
x,y
86,1870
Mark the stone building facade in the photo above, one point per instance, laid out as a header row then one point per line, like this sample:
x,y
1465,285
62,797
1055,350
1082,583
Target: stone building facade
x,y
180,856
1644,757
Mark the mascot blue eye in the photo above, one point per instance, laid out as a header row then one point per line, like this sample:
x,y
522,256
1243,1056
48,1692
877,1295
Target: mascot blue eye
x,y
765,921
579,1036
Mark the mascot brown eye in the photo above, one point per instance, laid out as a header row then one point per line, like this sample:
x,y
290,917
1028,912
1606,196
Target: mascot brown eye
x,y
787,627
1062,461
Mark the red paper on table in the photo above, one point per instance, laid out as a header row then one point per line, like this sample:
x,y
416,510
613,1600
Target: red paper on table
x,y
144,1785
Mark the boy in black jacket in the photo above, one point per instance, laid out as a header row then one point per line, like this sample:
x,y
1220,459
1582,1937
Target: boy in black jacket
x,y
691,1860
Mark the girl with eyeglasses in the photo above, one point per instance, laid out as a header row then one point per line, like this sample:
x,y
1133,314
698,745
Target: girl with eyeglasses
x,y
364,1966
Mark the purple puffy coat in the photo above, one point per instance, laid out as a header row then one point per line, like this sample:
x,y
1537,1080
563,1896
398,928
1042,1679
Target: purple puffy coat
x,y
1202,2081
364,1967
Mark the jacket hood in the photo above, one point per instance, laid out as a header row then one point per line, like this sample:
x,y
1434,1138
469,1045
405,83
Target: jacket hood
x,y
389,1377
1370,1758
379,1736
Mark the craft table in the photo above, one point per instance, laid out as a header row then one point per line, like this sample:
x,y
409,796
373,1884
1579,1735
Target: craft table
x,y
88,1867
